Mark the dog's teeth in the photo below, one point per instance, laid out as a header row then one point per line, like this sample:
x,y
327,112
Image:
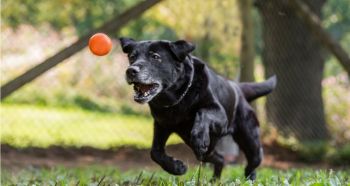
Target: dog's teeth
x,y
146,94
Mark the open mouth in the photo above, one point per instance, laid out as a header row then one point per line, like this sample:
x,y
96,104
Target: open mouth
x,y
145,92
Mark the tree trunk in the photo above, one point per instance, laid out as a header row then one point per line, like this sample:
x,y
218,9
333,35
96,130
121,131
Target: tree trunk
x,y
111,26
295,56
247,53
314,24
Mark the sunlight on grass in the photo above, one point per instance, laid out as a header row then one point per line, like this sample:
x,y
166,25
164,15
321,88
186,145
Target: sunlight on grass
x,y
24,126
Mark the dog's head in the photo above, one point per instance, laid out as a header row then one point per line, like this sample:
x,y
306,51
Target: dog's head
x,y
154,65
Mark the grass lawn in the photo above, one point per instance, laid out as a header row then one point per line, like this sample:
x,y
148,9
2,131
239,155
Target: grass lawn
x,y
25,126
28,126
97,175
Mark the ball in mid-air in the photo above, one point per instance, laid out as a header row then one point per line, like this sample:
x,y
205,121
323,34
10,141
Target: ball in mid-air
x,y
100,44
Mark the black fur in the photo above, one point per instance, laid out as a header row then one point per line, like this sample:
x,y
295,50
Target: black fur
x,y
186,97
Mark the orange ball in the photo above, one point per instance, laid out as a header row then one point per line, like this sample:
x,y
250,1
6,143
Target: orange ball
x,y
100,44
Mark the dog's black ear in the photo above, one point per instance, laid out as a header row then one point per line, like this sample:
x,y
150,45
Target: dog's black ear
x,y
181,49
127,44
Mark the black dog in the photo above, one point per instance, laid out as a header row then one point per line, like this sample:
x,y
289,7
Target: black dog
x,y
186,97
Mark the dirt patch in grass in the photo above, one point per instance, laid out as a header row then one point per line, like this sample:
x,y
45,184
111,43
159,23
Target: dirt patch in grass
x,y
126,158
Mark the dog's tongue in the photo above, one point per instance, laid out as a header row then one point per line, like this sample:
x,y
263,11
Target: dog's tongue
x,y
144,88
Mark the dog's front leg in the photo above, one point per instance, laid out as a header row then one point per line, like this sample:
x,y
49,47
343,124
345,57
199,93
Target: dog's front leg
x,y
207,121
200,138
158,154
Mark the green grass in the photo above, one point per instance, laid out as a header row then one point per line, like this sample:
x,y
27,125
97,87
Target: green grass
x,y
33,126
98,175
27,126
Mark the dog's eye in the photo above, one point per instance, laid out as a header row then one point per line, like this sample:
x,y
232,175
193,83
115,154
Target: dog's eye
x,y
155,56
132,57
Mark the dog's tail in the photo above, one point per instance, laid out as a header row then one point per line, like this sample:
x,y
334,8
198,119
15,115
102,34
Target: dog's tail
x,y
253,91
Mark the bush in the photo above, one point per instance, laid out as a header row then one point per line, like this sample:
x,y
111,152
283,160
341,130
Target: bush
x,y
309,151
70,98
86,103
313,151
341,156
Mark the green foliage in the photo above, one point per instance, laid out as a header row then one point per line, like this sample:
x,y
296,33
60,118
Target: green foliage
x,y
88,104
317,151
332,67
213,26
206,24
70,98
313,151
337,18
82,15
309,151
148,28
102,175
342,155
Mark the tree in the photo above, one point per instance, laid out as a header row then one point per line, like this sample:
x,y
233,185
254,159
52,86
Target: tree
x,y
247,41
313,23
295,56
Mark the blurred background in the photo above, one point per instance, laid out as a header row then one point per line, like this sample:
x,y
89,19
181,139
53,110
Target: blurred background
x,y
83,102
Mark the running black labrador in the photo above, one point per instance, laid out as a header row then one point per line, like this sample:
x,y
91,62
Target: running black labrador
x,y
186,97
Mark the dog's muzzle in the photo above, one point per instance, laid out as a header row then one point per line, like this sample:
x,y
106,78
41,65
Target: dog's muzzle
x,y
145,90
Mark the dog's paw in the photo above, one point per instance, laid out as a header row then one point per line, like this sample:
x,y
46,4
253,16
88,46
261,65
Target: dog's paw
x,y
200,144
176,168
179,168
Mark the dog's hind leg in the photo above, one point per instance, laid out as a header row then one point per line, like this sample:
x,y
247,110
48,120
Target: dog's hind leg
x,y
218,161
247,137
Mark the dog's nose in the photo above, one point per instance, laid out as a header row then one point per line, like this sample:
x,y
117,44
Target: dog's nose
x,y
132,71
